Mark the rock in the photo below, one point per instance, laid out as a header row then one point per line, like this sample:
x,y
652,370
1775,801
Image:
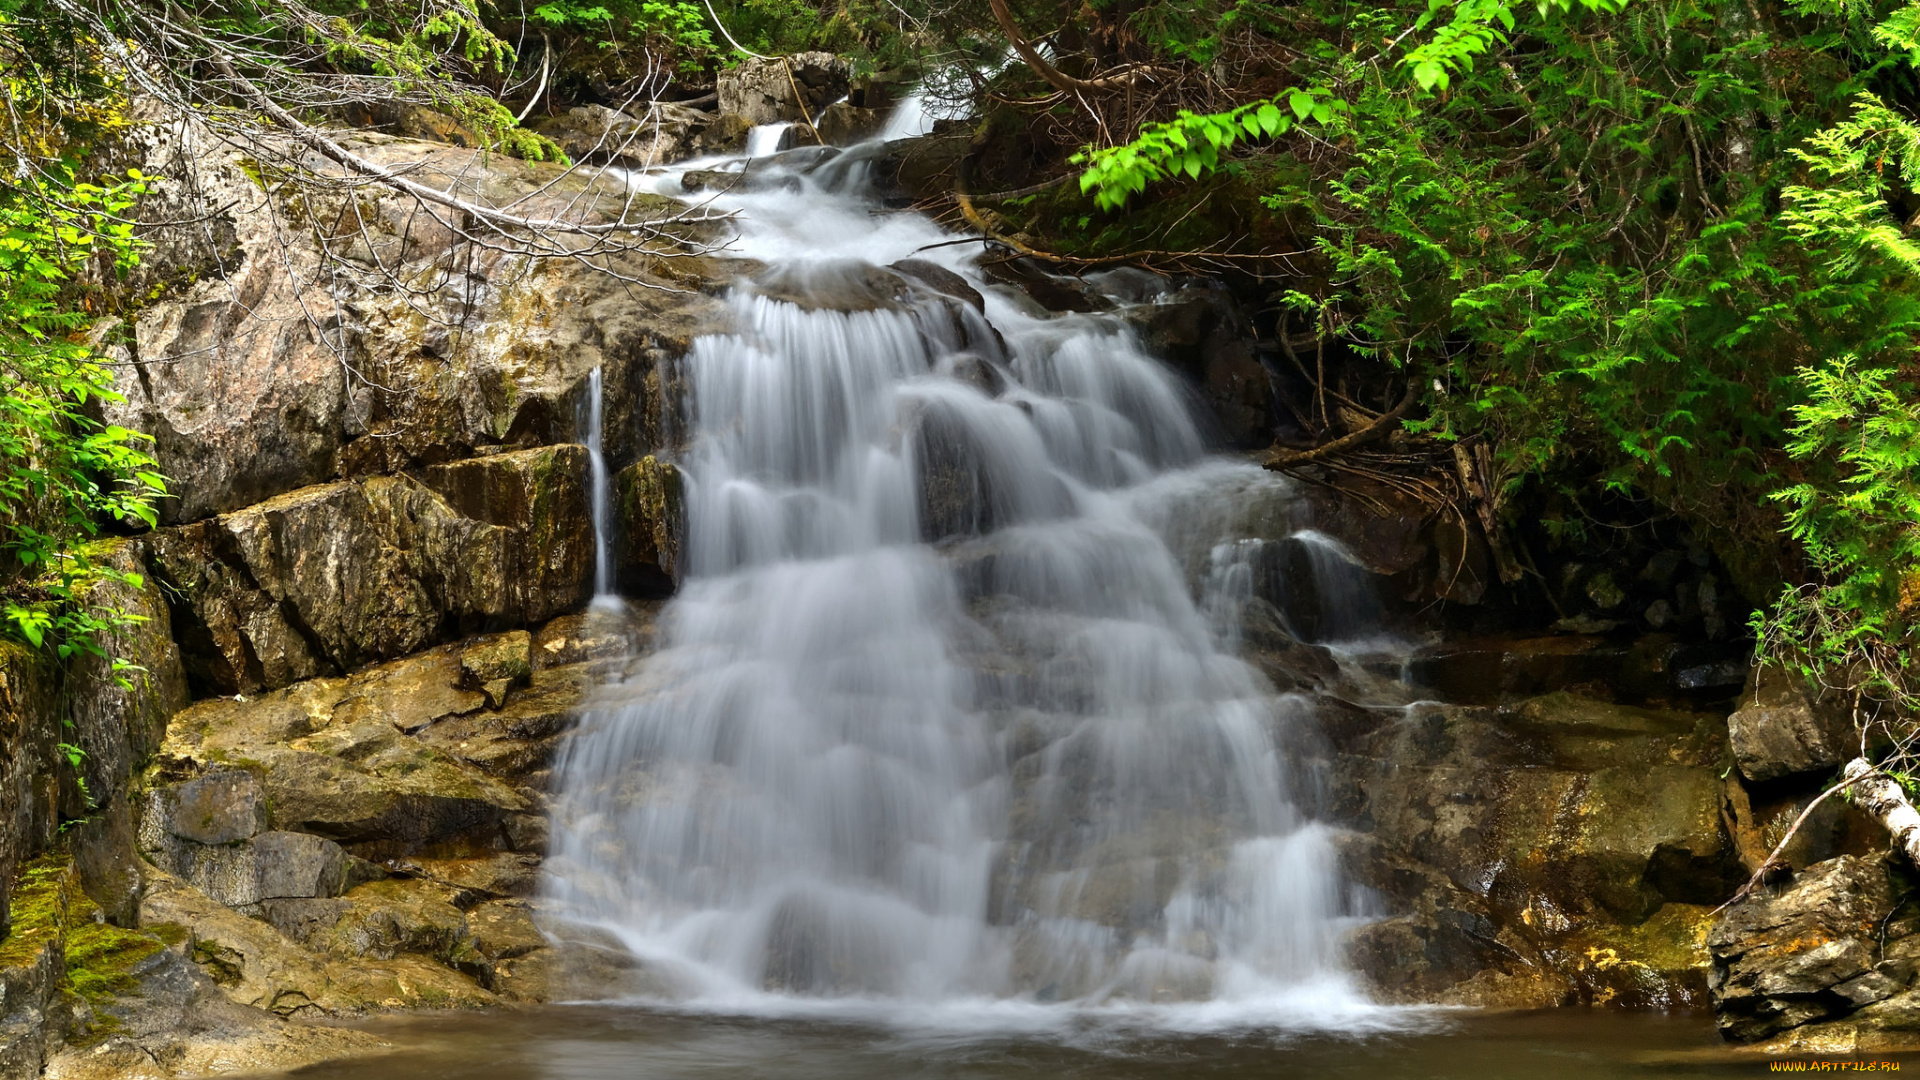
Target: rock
x,y
843,124
649,521
763,91
474,879
174,1014
388,763
1840,937
211,832
409,121
30,706
595,634
1778,731
255,964
923,167
940,280
1563,849
1492,670
726,134
598,134
493,664
504,930
518,741
1203,333
381,568
118,726
543,495
220,807
32,965
242,373
293,865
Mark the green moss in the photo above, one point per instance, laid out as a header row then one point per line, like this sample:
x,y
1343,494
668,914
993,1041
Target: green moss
x,y
101,958
37,912
48,909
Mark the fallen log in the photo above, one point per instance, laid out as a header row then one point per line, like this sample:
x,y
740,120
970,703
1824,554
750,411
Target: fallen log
x,y
1879,795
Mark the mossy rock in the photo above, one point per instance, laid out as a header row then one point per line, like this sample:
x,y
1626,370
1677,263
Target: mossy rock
x,y
97,961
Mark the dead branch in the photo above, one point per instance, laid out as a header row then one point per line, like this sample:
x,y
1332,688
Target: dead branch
x,y
1382,425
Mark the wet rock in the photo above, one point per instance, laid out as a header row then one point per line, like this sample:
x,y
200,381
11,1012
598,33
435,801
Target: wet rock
x,y
1779,731
1492,670
763,91
474,879
1053,292
1564,849
649,521
841,285
725,134
843,124
1839,937
1202,332
596,634
939,279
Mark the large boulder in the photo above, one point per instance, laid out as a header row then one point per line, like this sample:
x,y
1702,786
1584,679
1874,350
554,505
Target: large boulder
x,y
1203,333
764,90
663,134
330,578
255,380
1513,847
1780,730
1838,944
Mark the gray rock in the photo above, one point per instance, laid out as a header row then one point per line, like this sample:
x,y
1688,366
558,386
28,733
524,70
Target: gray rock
x,y
661,135
218,808
1778,731
843,124
1831,942
292,865
763,91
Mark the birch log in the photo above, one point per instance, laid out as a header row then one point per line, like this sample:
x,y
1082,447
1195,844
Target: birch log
x,y
1880,796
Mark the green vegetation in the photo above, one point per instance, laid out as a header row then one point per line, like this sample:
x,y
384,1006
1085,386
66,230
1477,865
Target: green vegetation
x,y
64,475
1662,249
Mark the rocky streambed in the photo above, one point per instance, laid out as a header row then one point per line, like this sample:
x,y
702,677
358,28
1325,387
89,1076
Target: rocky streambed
x,y
326,793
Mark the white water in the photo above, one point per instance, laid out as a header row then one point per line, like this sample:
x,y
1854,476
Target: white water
x,y
939,728
602,494
764,139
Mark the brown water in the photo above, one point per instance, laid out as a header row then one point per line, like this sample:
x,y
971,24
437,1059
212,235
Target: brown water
x,y
616,1043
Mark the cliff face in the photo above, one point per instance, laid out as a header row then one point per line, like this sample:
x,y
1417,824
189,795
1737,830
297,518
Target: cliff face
x,y
360,479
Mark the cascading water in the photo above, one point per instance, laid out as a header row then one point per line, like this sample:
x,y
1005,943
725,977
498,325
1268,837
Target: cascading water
x,y
937,716
602,493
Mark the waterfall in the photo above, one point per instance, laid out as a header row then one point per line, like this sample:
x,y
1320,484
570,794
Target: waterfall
x,y
936,715
765,139
602,494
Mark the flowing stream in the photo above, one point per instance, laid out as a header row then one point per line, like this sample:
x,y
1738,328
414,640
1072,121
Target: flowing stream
x,y
947,715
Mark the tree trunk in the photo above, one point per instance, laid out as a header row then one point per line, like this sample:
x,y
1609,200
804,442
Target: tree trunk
x,y
1881,797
